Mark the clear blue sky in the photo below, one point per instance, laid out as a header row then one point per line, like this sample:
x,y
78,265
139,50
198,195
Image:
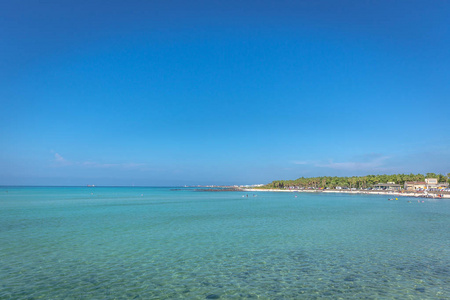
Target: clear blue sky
x,y
221,92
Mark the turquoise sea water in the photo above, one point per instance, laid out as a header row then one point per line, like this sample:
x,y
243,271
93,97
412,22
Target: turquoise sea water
x,y
157,243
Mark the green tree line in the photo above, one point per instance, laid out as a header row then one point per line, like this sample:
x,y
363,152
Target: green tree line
x,y
359,182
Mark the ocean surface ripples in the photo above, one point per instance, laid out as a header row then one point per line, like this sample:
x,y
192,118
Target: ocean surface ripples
x,y
156,243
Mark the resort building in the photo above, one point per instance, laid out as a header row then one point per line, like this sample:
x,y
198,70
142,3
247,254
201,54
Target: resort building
x,y
414,185
390,186
432,183
429,183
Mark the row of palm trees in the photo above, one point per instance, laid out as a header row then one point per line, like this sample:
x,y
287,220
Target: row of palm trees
x,y
360,182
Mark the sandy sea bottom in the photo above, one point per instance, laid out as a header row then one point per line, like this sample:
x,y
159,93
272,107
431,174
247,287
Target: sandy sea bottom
x,y
159,243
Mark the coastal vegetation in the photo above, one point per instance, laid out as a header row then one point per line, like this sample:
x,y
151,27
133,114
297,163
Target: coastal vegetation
x,y
359,182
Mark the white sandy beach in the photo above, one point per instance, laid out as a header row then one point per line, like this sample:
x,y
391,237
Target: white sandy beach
x,y
432,194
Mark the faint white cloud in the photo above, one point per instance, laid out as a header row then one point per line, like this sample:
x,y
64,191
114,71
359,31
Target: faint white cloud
x,y
133,165
369,164
371,161
91,164
59,160
299,162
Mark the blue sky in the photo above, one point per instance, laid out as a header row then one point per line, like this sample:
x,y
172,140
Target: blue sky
x,y
221,92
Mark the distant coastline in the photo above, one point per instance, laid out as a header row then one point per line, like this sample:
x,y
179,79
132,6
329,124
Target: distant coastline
x,y
432,194
429,185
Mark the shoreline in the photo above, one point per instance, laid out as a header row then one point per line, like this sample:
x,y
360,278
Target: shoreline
x,y
433,195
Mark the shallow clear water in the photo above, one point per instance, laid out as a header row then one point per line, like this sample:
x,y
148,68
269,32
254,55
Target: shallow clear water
x,y
155,243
